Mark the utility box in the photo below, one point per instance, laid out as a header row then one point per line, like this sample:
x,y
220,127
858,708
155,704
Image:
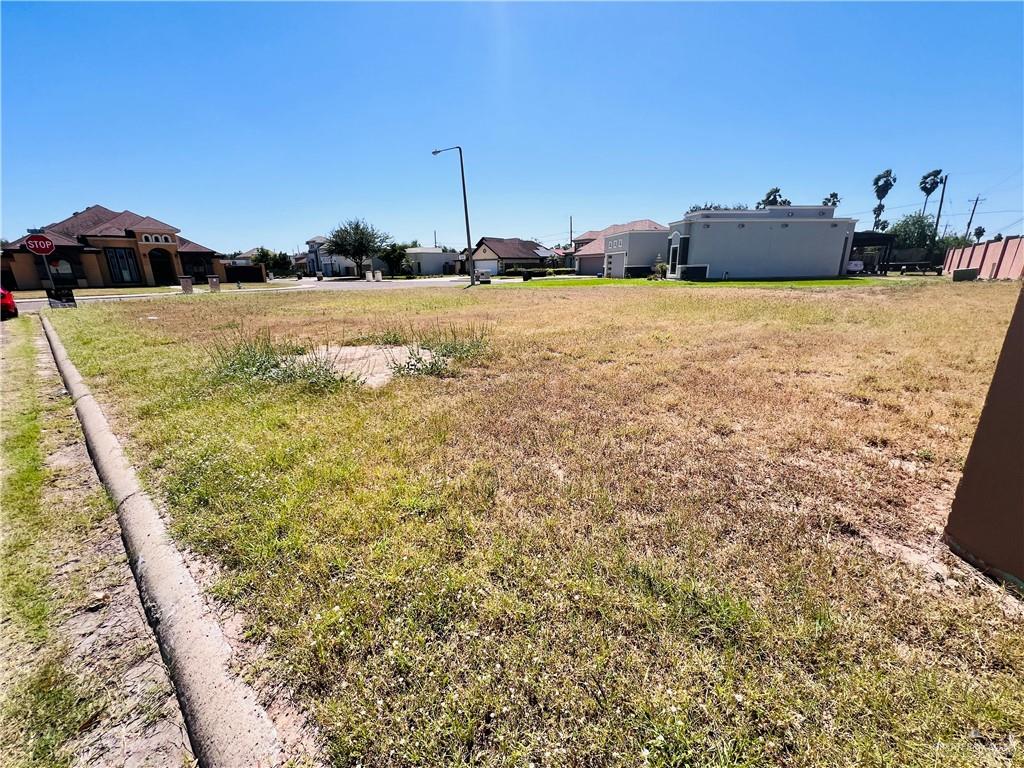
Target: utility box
x,y
959,275
186,284
377,276
319,275
214,282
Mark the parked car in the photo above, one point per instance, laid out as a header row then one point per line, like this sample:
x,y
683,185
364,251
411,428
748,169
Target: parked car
x,y
483,276
7,306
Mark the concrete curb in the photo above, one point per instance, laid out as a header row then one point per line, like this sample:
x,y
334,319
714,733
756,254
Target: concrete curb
x,y
227,726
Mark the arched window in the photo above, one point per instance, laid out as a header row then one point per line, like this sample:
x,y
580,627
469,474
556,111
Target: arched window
x,y
167,238
145,238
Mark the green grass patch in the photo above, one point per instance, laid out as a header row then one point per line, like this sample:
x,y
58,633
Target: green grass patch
x,y
24,586
835,282
43,710
254,358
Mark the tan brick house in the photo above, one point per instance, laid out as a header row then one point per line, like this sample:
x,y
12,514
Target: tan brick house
x,y
102,248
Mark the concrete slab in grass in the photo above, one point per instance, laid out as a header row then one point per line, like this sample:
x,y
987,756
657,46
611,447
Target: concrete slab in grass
x,y
373,364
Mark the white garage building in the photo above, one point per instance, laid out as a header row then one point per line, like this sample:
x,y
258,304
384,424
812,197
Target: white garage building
x,y
774,242
432,261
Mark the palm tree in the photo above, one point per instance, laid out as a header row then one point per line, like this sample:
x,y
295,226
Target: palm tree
x,y
882,183
928,184
979,232
773,197
832,200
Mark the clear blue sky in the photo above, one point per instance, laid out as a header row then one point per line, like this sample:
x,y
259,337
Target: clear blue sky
x,y
256,123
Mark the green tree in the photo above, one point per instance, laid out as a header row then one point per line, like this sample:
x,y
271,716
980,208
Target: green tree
x,y
394,256
979,232
943,244
928,184
276,262
998,237
913,230
832,199
773,197
356,241
882,183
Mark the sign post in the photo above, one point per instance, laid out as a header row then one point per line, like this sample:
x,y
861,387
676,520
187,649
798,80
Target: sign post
x,y
41,245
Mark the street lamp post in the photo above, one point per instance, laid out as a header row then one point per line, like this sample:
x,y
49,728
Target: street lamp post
x,y
465,207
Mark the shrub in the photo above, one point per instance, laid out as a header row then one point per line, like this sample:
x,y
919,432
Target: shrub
x,y
256,357
538,271
419,364
446,343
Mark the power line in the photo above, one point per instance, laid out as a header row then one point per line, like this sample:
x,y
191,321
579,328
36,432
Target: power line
x,y
1011,224
1000,183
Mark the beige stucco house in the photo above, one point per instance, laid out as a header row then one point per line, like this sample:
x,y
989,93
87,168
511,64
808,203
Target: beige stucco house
x,y
102,248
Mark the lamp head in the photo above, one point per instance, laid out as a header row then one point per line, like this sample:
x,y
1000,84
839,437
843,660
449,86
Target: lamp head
x,y
436,152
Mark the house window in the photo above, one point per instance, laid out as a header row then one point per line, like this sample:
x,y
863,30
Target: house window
x,y
167,238
124,268
145,238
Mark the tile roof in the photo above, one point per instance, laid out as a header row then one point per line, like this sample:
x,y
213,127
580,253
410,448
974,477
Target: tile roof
x,y
57,237
149,224
512,247
596,246
187,246
99,221
81,222
114,227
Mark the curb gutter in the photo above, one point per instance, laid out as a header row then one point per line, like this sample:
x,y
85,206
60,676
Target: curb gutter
x,y
226,724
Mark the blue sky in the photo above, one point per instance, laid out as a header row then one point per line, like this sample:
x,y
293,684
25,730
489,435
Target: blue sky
x,y
260,123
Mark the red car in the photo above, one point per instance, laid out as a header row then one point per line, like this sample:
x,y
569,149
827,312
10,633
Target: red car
x,y
7,306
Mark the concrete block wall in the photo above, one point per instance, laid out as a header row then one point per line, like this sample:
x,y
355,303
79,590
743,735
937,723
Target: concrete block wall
x,y
994,260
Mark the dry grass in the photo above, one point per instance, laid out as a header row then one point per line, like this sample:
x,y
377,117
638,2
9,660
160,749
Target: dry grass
x,y
642,530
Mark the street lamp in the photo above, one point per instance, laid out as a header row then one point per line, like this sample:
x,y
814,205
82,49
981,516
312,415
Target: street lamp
x,y
465,206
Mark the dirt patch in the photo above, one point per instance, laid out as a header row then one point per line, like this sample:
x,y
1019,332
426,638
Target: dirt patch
x,y
373,365
102,622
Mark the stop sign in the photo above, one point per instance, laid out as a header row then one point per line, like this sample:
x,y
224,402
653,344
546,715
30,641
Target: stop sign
x,y
40,245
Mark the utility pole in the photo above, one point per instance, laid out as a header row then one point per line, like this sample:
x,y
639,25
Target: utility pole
x,y
570,231
971,219
942,199
435,238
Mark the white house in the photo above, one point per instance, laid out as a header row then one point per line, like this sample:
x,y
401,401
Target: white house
x,y
777,241
433,261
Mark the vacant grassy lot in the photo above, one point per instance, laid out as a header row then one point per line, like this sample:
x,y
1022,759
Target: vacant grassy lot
x,y
643,527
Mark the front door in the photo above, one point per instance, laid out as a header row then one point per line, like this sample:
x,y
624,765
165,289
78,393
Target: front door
x,y
163,267
673,259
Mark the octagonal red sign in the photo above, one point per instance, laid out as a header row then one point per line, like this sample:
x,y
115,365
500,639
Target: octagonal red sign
x,y
40,245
